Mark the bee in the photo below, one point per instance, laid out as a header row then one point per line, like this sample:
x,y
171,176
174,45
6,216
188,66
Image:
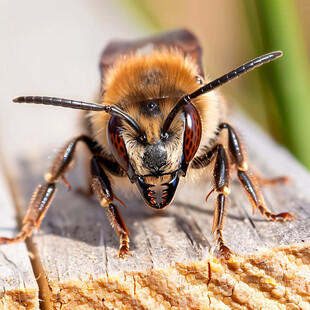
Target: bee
x,y
159,120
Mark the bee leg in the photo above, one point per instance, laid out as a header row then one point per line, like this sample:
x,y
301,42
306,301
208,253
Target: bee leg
x,y
221,185
38,206
120,228
249,182
101,186
64,159
257,200
274,181
43,195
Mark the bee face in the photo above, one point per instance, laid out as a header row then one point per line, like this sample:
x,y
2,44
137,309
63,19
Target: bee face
x,y
158,153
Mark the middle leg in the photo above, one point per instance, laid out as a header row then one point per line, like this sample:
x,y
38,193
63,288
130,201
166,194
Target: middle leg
x,y
101,186
221,181
221,185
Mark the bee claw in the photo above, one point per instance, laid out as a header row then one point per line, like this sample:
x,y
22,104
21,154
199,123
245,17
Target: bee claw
x,y
4,240
124,253
286,216
66,183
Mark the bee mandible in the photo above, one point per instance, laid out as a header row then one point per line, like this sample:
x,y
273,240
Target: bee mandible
x,y
159,120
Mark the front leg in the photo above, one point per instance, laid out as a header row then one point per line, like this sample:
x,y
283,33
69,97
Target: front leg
x,y
44,194
221,185
101,186
221,181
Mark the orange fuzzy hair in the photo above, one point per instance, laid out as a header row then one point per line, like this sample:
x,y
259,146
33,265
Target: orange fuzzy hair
x,y
165,75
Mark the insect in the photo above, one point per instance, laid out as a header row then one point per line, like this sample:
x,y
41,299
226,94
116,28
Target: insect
x,y
159,120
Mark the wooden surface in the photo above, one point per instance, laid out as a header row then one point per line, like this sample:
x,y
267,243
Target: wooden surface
x,y
172,267
18,287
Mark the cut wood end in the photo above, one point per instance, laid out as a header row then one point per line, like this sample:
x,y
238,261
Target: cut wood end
x,y
19,299
267,279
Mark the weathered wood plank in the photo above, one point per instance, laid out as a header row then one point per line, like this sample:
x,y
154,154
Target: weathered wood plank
x,y
172,266
18,287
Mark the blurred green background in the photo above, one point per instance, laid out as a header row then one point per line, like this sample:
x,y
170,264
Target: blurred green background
x,y
233,32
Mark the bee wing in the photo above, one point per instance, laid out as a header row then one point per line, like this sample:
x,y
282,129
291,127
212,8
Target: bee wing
x,y
181,39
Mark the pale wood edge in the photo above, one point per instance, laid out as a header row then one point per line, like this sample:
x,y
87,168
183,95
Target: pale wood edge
x,y
274,279
19,299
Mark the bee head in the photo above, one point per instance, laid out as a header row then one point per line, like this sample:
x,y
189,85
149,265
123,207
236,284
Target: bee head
x,y
154,158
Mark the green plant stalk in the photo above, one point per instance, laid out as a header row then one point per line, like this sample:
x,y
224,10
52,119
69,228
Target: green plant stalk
x,y
290,79
267,101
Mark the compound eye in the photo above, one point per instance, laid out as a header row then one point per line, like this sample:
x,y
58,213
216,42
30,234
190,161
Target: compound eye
x,y
192,133
116,142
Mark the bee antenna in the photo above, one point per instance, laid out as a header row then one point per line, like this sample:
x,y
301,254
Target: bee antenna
x,y
219,82
80,105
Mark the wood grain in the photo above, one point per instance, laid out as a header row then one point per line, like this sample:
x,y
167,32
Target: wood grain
x,y
18,287
172,267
